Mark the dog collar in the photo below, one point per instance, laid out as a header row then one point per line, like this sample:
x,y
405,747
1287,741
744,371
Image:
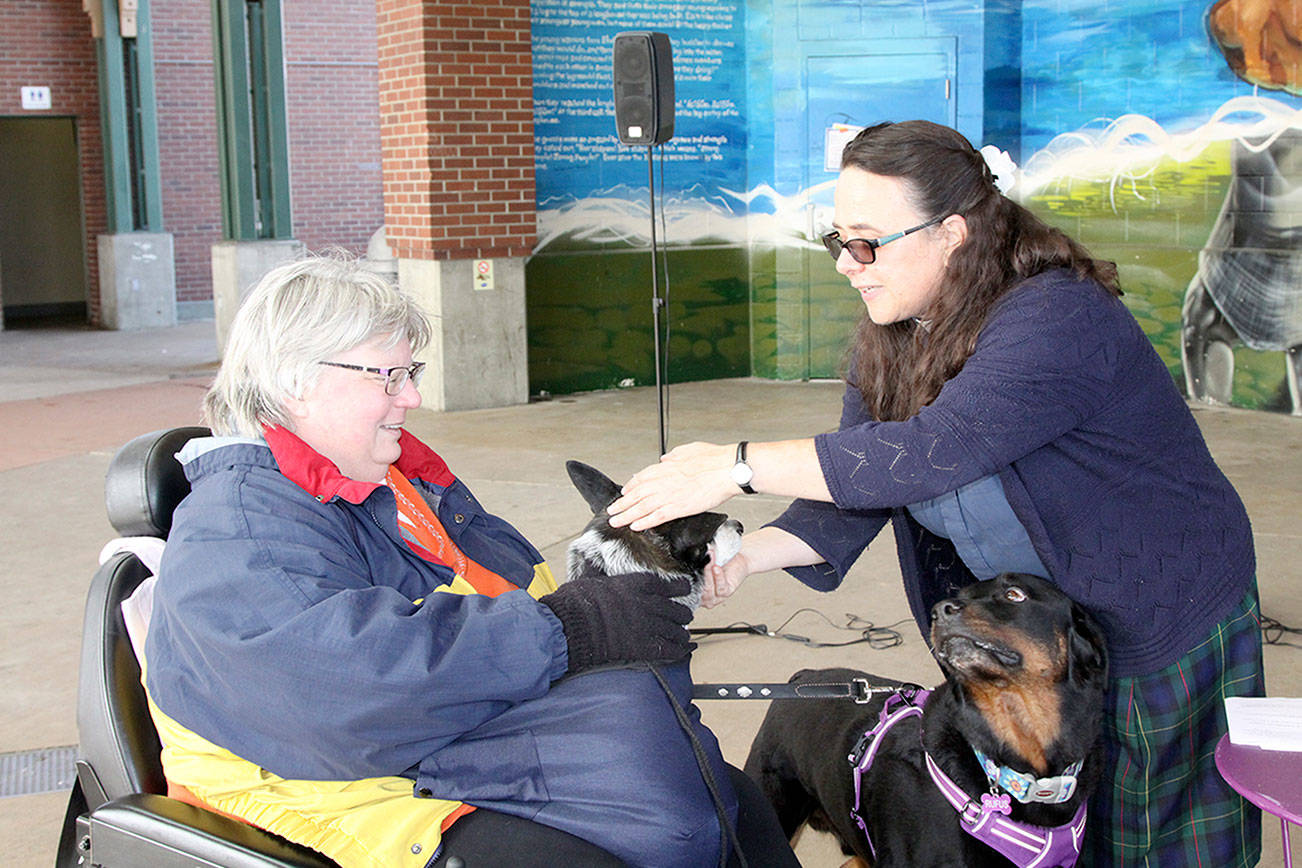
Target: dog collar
x,y
1023,843
1027,788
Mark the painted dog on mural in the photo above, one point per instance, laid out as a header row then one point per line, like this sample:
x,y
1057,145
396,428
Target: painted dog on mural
x,y
1249,283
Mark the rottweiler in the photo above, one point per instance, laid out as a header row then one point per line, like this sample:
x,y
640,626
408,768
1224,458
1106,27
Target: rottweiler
x,y
1025,669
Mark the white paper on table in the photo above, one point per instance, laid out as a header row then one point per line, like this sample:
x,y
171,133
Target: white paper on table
x,y
1269,722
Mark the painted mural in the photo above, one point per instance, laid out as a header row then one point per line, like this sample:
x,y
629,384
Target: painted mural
x,y
1186,173
590,280
1164,134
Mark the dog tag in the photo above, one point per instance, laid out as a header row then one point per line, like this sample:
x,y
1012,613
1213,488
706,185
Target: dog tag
x,y
996,803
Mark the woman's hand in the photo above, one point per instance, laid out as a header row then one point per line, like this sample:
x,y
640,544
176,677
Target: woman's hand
x,y
769,548
689,479
721,581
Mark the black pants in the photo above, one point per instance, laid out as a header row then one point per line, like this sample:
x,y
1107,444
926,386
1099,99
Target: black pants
x,y
485,839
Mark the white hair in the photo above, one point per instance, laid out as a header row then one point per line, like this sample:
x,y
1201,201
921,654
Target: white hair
x,y
299,314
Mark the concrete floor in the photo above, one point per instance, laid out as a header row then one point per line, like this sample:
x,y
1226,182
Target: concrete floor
x,y
70,397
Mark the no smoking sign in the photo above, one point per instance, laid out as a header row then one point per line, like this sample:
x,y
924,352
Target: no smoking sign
x,y
483,274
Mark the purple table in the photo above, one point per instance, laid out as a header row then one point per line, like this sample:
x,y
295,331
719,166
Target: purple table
x,y
1270,779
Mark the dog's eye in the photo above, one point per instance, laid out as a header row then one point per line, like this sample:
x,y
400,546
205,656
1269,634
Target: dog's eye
x,y
1014,594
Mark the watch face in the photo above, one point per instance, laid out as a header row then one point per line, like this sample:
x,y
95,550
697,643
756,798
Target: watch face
x,y
741,473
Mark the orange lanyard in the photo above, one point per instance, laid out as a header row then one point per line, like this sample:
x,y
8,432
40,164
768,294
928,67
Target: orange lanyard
x,y
425,535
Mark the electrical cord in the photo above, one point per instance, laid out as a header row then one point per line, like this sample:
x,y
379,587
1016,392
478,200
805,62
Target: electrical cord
x,y
1273,631
727,834
875,637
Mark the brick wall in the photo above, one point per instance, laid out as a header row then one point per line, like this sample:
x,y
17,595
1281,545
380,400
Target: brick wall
x,y
187,140
457,137
334,123
456,105
333,119
47,42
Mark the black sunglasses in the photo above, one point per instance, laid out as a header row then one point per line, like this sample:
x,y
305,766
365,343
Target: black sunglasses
x,y
864,250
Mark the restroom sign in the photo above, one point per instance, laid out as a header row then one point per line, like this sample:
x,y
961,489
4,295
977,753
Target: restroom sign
x,y
483,274
36,98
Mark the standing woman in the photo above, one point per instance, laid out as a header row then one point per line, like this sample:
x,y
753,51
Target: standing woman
x,y
1004,411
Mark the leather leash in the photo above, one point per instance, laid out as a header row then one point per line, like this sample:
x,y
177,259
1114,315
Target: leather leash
x,y
857,690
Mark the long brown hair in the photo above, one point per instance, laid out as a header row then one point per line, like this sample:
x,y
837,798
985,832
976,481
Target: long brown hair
x,y
900,368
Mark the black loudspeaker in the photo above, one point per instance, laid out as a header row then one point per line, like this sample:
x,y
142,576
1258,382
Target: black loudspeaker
x,y
644,88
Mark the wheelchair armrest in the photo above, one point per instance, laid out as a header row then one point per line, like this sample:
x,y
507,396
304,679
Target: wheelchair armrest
x,y
147,829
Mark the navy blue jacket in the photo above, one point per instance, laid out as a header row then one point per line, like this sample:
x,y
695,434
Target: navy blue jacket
x,y
1101,460
287,629
294,627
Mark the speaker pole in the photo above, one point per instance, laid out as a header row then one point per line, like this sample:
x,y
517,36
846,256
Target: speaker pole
x,y
643,78
657,305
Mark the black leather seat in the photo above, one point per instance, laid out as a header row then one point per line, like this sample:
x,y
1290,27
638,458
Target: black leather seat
x,y
118,813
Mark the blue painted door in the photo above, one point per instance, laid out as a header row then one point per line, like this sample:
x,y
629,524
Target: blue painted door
x,y
901,79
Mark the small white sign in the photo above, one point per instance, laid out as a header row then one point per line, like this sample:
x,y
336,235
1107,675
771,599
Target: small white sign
x,y
835,138
484,274
1267,722
36,98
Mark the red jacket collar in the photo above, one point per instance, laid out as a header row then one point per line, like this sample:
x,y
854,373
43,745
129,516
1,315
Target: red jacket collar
x,y
320,477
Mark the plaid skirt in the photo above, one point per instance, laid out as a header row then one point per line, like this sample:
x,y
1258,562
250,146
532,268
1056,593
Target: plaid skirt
x,y
1161,801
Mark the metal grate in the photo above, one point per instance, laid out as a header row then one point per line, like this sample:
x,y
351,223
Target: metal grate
x,y
45,770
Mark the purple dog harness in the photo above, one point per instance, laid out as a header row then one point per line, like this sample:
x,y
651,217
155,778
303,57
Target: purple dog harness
x,y
1026,845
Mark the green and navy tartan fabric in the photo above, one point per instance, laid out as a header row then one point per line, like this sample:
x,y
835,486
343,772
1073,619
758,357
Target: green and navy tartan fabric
x,y
1161,802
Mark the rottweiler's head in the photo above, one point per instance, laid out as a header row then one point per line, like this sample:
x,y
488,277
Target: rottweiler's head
x,y
1023,653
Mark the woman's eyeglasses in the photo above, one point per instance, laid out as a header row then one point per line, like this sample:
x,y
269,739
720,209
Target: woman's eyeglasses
x,y
864,250
394,378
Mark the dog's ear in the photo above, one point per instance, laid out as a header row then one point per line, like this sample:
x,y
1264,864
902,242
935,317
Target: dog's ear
x,y
598,489
1087,652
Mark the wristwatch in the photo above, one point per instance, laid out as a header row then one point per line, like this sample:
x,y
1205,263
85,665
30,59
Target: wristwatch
x,y
741,472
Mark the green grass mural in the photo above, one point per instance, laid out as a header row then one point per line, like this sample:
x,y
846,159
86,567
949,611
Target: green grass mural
x,y
1153,227
590,317
785,313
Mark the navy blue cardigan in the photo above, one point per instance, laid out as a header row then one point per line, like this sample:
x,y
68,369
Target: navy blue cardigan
x,y
1066,400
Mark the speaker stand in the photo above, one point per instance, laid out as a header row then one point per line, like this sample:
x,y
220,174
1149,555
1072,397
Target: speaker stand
x,y
658,303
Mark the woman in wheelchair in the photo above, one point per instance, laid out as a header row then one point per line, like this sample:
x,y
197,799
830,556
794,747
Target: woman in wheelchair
x,y
347,650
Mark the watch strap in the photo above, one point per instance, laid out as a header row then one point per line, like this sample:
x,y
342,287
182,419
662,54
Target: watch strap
x,y
741,459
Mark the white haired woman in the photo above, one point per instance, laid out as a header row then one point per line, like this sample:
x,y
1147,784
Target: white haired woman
x,y
346,649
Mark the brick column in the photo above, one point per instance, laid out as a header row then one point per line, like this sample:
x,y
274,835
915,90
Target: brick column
x,y
456,135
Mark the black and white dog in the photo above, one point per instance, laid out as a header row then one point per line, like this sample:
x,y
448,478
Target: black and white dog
x,y
676,549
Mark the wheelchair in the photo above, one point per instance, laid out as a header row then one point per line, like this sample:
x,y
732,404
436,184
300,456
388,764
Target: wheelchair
x,y
118,812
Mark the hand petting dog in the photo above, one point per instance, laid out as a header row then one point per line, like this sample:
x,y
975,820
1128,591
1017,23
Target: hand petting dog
x,y
679,549
722,580
696,477
688,479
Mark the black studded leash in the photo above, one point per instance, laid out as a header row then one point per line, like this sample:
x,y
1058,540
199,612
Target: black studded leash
x,y
857,690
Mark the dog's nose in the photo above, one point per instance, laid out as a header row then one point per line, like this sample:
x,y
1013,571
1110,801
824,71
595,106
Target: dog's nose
x,y
945,609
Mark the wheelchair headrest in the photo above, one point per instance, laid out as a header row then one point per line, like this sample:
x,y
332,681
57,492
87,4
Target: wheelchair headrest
x,y
145,482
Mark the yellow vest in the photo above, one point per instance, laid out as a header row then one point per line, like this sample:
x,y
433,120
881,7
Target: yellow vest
x,y
371,823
